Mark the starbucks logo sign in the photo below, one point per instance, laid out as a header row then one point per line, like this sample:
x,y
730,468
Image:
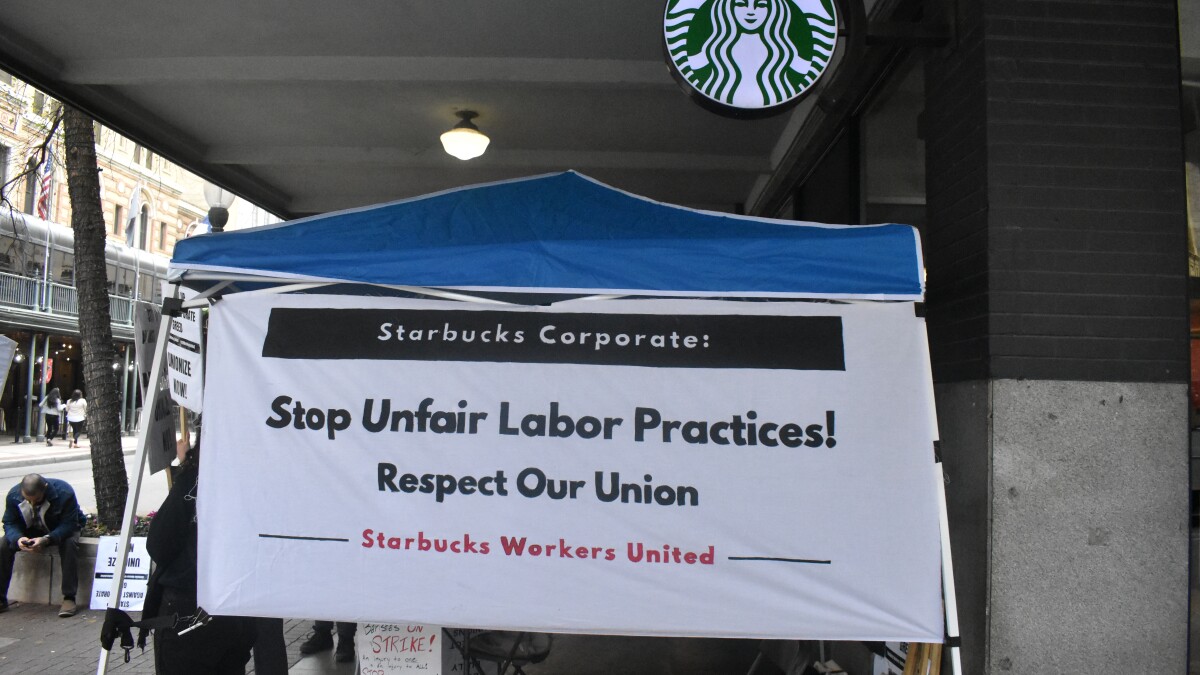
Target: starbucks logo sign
x,y
748,58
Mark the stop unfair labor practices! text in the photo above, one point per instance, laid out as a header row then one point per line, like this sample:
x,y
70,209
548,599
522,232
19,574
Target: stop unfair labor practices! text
x,y
649,424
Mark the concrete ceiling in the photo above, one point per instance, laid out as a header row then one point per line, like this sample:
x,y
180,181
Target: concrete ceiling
x,y
308,106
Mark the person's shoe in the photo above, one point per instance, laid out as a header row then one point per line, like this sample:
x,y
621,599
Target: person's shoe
x,y
68,608
319,641
3,606
49,442
345,650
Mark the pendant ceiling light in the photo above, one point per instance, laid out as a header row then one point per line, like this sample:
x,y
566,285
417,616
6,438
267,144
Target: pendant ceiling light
x,y
465,141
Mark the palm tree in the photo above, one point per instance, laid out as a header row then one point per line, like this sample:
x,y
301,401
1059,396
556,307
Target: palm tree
x,y
95,327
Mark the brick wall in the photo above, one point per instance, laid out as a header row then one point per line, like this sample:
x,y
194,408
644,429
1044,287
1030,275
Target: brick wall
x,y
1057,245
957,202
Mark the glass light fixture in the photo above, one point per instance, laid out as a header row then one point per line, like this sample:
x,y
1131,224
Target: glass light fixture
x,y
219,200
465,141
214,195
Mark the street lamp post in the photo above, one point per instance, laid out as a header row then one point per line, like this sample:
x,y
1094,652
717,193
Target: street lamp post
x,y
219,200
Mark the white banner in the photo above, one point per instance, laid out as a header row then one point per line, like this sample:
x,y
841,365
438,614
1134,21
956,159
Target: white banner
x,y
638,467
137,573
185,359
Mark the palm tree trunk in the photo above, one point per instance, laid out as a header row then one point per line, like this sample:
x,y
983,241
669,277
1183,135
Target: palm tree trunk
x,y
95,327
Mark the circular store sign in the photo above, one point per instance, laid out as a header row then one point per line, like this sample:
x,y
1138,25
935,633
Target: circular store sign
x,y
749,58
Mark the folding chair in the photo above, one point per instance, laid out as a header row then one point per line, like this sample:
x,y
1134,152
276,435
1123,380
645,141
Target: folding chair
x,y
507,649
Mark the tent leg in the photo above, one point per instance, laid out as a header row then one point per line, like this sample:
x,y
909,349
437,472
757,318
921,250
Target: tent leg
x,y
145,423
948,593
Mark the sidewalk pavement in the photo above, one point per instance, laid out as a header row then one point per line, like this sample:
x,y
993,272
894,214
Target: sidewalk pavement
x,y
34,640
14,454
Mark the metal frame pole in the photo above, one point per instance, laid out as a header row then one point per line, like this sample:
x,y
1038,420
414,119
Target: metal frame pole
x,y
948,593
131,413
125,389
146,421
41,418
29,389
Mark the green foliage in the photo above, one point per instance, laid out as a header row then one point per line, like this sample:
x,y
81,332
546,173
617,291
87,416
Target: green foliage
x,y
94,528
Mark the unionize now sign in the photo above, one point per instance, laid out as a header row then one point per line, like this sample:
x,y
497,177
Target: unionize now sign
x,y
137,573
650,467
749,57
185,359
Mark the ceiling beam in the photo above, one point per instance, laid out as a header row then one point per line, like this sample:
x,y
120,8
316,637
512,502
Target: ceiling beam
x,y
433,157
400,69
126,117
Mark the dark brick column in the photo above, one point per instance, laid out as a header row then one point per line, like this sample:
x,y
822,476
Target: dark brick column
x,y
1058,323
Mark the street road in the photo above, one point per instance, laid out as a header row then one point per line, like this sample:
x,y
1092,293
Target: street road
x,y
79,475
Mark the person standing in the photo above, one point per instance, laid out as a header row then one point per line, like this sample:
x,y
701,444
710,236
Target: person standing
x,y
320,640
222,645
38,513
76,416
52,407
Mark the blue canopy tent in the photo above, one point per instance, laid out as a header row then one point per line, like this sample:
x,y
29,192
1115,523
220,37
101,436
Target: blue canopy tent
x,y
564,233
561,234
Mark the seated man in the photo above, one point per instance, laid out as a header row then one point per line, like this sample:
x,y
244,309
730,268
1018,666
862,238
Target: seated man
x,y
38,513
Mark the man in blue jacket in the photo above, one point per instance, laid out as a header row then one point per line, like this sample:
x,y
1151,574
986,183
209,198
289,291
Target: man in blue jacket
x,y
38,513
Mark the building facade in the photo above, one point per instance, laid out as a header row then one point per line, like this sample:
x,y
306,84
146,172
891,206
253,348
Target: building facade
x,y
37,295
1047,151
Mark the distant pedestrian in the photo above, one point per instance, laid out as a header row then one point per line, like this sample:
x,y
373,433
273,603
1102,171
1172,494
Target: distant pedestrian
x,y
52,407
76,416
38,513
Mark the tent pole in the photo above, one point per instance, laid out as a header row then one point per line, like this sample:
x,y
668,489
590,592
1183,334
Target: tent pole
x,y
202,300
445,295
948,593
598,297
139,461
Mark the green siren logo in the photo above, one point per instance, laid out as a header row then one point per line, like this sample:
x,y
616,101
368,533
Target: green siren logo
x,y
749,56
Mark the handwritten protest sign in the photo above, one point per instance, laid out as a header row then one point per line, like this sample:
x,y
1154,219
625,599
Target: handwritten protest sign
x,y
387,649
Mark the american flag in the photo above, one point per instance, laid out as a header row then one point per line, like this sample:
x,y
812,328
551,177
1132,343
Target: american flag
x,y
134,217
45,186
